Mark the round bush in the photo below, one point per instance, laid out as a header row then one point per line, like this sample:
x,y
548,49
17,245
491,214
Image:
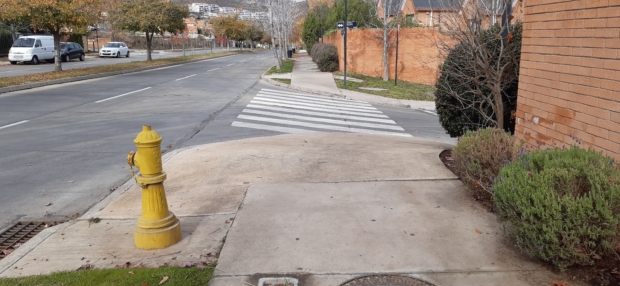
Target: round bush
x,y
480,155
562,206
325,56
460,76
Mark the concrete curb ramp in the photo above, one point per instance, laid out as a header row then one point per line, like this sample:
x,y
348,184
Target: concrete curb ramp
x,y
322,208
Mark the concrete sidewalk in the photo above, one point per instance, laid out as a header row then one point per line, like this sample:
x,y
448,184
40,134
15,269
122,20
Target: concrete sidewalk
x,y
321,207
307,77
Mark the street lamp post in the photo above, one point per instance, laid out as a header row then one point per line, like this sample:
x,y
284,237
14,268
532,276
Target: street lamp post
x,y
345,42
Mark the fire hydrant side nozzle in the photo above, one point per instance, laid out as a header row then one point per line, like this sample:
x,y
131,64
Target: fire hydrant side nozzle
x,y
157,227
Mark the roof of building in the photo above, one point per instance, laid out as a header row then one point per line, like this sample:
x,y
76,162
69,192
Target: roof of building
x,y
437,4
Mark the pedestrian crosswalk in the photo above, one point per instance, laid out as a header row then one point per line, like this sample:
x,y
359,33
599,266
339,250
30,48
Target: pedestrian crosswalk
x,y
293,112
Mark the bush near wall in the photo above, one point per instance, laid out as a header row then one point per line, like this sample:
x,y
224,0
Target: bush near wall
x,y
325,56
480,155
562,206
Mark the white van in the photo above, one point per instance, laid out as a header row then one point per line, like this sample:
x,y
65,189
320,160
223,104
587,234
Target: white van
x,y
32,49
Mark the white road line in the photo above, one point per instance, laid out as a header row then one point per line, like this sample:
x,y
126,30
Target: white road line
x,y
213,69
113,97
13,124
319,109
328,103
331,121
324,99
388,121
184,77
271,127
314,96
320,126
262,99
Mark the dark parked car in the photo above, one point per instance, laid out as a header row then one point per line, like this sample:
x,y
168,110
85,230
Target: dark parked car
x,y
69,50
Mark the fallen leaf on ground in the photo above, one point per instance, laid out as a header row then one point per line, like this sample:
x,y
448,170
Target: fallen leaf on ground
x,y
131,272
17,245
85,267
48,204
144,284
163,280
560,283
7,251
478,231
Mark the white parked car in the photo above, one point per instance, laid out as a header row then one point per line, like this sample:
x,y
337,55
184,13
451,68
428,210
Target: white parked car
x,y
114,49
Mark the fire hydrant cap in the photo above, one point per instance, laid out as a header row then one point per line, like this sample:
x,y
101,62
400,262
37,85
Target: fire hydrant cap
x,y
147,136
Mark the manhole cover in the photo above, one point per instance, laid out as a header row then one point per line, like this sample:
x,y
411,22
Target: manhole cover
x,y
386,280
18,234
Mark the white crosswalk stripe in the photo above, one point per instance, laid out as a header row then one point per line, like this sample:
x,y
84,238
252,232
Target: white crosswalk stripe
x,y
294,112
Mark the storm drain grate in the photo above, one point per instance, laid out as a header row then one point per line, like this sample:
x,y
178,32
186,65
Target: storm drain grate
x,y
18,234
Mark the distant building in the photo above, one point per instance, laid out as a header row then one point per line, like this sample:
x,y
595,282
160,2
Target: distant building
x,y
228,10
260,16
245,15
204,8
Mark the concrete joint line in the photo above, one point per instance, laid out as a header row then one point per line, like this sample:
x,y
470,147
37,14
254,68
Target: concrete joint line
x,y
93,76
383,272
388,180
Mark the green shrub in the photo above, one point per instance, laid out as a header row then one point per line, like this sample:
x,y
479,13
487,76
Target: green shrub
x,y
77,38
325,56
562,206
480,155
461,76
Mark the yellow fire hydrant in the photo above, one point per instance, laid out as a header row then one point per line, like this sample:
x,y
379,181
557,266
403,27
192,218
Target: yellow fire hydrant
x,y
157,227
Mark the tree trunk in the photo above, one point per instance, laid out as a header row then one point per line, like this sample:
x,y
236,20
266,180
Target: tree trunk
x,y
385,53
57,63
149,40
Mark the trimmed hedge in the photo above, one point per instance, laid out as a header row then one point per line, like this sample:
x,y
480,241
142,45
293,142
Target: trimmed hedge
x,y
562,206
325,56
480,155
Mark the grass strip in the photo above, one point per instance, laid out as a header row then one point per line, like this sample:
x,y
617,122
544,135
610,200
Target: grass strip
x,y
403,90
287,67
118,277
282,80
47,76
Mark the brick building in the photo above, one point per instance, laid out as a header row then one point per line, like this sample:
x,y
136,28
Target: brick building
x,y
569,86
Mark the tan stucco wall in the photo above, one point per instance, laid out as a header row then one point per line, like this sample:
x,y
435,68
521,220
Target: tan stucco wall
x,y
418,55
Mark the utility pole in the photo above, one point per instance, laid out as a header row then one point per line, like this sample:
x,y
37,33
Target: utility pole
x,y
346,26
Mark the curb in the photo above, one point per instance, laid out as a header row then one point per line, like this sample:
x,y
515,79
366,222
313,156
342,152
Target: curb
x,y
324,93
94,76
313,91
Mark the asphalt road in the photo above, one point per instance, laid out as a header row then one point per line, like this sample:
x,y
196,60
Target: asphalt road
x,y
66,145
93,59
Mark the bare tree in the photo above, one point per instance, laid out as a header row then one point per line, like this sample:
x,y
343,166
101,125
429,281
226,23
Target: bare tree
x,y
388,13
482,63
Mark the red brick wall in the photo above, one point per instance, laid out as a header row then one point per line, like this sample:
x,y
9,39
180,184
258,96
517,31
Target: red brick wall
x,y
569,84
418,55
